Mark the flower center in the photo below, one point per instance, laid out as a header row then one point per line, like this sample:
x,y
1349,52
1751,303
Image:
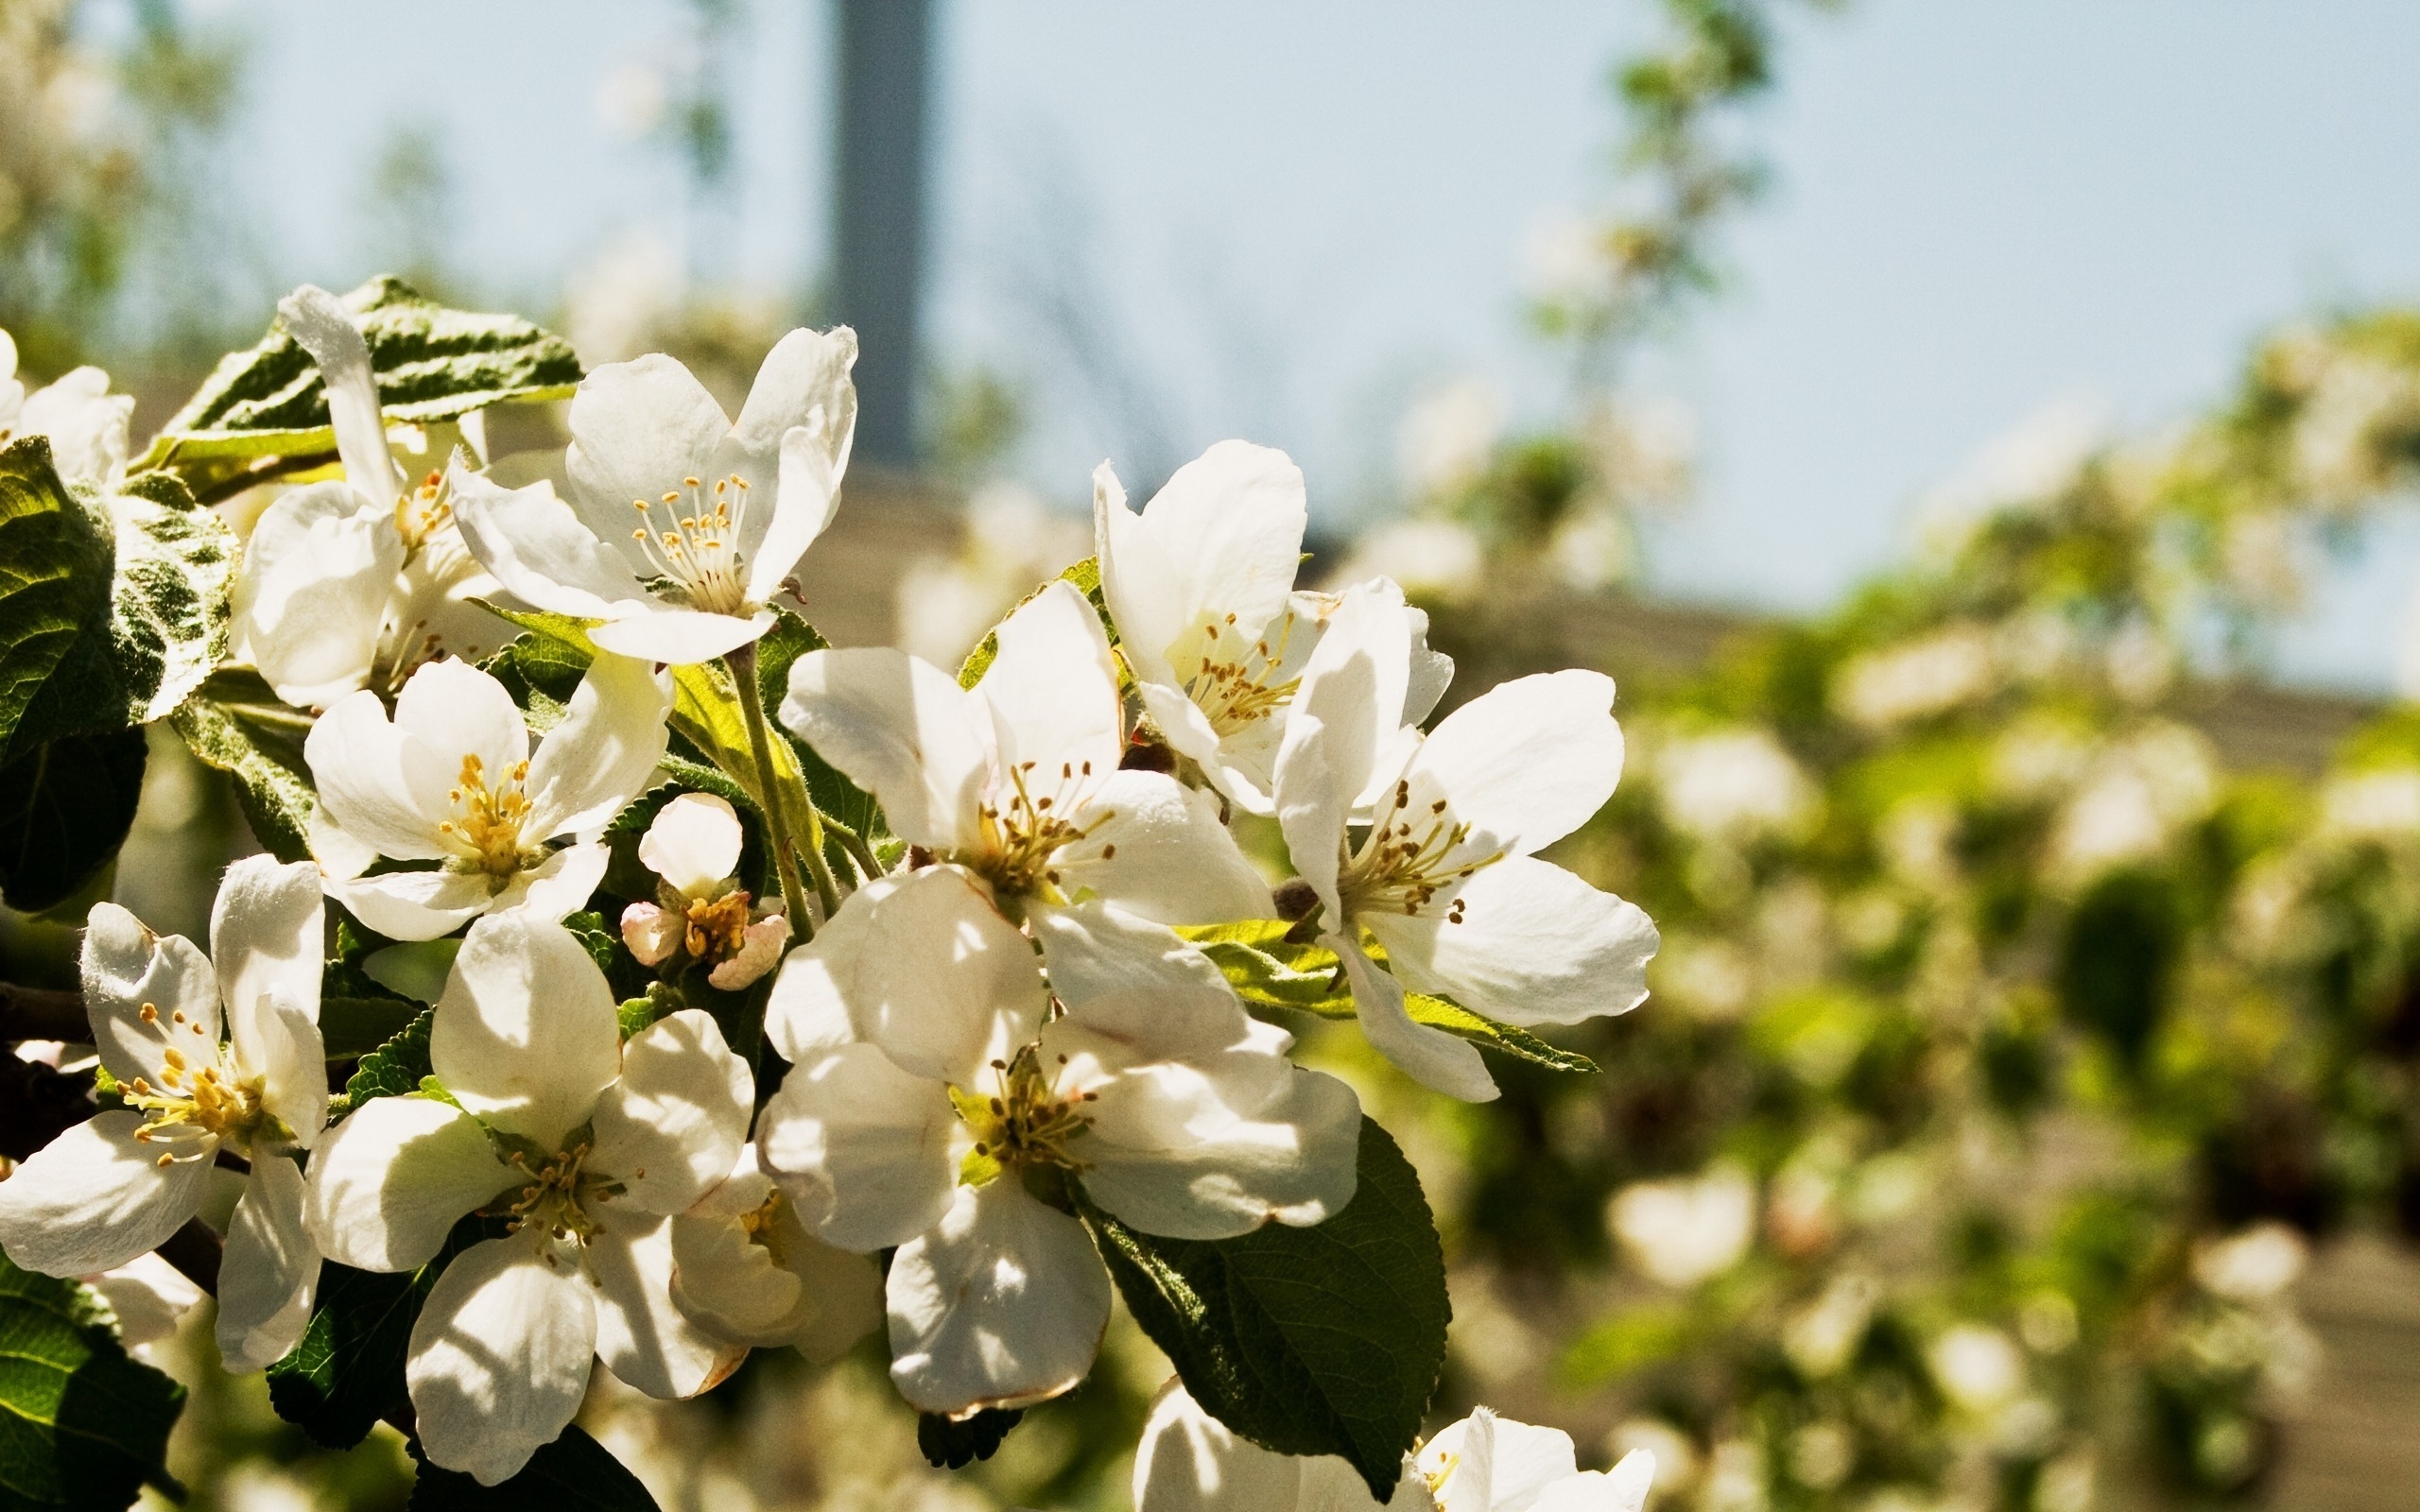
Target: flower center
x,y
1028,1122
551,1198
200,1101
1236,686
1407,860
486,829
762,1224
718,927
420,511
697,544
1022,834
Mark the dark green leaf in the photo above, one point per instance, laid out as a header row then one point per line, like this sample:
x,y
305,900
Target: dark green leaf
x,y
1325,1340
363,1027
392,1070
56,568
948,1445
575,1474
82,1425
1086,574
542,673
235,724
168,628
65,808
265,412
603,942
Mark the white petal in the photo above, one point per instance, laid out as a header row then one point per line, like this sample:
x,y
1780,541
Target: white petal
x,y
806,371
540,550
269,1272
317,319
279,1044
560,885
637,429
760,947
126,967
1498,1464
1053,688
1432,671
418,970
525,1034
1137,982
672,1126
454,710
1231,521
313,589
901,728
1000,1305
693,843
1155,848
801,508
85,423
1432,1058
653,631
95,1197
267,935
381,786
641,1335
1146,591
865,1150
1534,945
499,1359
732,1284
1188,1461
1526,762
780,1285
1346,712
417,905
591,766
387,1185
931,972
650,933
436,610
150,1296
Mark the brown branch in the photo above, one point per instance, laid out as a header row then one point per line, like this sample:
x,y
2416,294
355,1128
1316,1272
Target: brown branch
x,y
195,1252
41,1013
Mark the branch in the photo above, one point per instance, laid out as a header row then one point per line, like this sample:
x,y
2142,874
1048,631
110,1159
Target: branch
x,y
41,1013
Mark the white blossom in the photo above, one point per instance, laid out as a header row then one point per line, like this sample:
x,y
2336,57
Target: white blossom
x,y
930,1090
748,1269
352,584
451,779
693,845
84,422
590,1145
681,525
111,1189
1444,876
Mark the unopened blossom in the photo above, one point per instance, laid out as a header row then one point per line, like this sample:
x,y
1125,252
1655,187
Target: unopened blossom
x,y
681,525
588,1145
702,913
451,779
1441,873
1200,585
748,1269
1188,1461
85,423
111,1189
352,584
1016,780
929,1097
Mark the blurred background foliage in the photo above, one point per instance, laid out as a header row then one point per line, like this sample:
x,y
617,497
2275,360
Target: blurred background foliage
x,y
2022,1036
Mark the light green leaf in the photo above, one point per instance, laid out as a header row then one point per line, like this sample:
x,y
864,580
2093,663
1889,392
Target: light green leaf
x,y
1327,1340
1086,574
1269,971
175,560
263,412
235,723
56,567
82,1425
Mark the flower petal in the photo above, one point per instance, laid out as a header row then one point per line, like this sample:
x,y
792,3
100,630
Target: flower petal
x,y
499,1358
641,1335
540,550
1346,712
653,631
672,1126
1054,689
814,1296
864,1149
592,765
1137,983
150,1296
1432,1058
525,1034
1155,849
799,510
561,885
417,970
693,843
732,1284
1623,1489
1231,522
1001,1304
383,788
1145,590
387,1185
86,424
1527,762
319,323
417,905
265,937
126,967
1188,1461
437,608
270,1271
930,971
313,589
281,1045
1533,944
95,1197
806,371
901,728
455,711
637,429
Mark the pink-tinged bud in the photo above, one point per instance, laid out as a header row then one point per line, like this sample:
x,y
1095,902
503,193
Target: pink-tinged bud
x,y
650,933
759,951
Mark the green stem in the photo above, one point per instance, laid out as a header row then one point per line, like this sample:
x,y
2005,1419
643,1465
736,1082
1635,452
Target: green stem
x,y
856,845
742,666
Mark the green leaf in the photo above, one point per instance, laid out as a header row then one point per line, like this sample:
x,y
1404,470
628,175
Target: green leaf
x,y
575,1474
82,1425
56,568
1086,574
604,945
66,807
835,795
235,724
1269,971
392,1070
1327,1340
168,627
265,412
363,1027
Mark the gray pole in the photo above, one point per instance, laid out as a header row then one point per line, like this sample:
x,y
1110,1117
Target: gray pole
x,y
884,53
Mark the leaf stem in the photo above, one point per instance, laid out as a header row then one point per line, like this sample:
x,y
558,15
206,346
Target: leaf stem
x,y
742,663
856,845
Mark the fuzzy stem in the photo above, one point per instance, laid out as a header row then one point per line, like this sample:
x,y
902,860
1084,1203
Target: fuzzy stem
x,y
742,663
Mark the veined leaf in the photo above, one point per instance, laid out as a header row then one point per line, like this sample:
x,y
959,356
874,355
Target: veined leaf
x,y
168,628
575,1474
392,1070
55,569
264,413
835,795
82,1425
1086,574
1269,971
1325,1340
238,725
66,807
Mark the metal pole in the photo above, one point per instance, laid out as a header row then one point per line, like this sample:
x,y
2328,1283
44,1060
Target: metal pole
x,y
885,51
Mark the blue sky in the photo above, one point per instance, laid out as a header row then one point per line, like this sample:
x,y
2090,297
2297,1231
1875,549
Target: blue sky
x,y
1283,221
